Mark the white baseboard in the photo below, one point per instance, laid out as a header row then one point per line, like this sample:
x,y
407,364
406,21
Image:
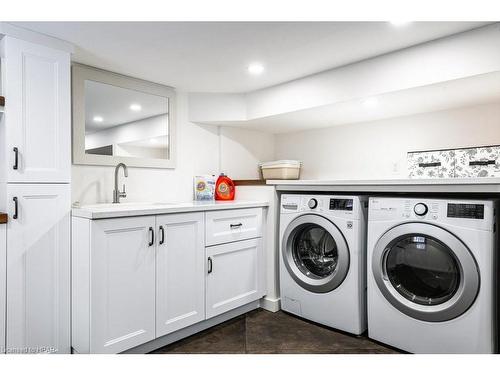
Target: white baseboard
x,y
270,304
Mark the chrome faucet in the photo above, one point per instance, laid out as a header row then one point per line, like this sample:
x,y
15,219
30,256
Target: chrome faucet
x,y
117,194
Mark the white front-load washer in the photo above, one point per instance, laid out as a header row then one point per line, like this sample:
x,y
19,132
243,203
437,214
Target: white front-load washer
x,y
323,259
432,274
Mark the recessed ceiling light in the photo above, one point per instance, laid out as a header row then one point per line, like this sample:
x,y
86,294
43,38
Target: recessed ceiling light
x,y
399,23
135,107
255,68
98,119
371,103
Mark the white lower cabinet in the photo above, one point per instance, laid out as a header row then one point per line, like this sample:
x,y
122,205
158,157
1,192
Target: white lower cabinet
x,y
180,265
233,275
3,287
38,268
122,283
140,278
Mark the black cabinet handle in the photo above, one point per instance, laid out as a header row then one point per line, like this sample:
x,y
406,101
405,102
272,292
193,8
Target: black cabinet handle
x,y
152,232
16,158
482,162
16,208
162,232
234,226
426,165
210,265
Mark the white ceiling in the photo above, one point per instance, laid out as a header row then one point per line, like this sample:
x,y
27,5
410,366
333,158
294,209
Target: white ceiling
x,y
475,90
213,56
113,103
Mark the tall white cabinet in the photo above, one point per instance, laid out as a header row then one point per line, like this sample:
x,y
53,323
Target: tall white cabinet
x,y
35,174
3,286
36,137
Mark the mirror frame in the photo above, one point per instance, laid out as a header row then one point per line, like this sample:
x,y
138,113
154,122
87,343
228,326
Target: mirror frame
x,y
79,74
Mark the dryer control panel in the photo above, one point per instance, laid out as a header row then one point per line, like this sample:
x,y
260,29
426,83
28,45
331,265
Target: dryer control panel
x,y
470,213
343,204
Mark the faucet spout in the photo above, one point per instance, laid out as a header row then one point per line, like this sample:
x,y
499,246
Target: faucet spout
x,y
117,194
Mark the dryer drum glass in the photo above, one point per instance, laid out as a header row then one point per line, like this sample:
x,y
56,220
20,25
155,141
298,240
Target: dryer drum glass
x,y
422,269
315,251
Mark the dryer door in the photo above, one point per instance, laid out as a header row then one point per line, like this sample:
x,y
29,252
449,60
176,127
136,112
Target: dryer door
x,y
425,272
315,253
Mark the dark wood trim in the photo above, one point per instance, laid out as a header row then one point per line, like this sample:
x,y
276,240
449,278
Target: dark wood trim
x,y
3,218
249,182
2,101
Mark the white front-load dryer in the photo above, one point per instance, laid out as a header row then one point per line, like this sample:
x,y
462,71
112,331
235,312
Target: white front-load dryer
x,y
432,274
323,259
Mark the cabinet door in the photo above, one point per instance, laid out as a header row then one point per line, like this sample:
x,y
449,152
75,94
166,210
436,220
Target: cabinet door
x,y
180,271
233,275
36,83
3,290
122,264
38,268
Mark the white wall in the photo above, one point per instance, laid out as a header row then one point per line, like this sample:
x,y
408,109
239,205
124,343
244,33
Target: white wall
x,y
377,150
198,152
242,150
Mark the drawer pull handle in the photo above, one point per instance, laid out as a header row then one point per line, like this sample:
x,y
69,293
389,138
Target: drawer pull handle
x,y
427,165
16,158
162,232
16,208
482,162
152,233
234,226
210,265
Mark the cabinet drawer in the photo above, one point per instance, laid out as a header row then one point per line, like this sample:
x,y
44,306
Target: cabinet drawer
x,y
232,225
431,164
478,162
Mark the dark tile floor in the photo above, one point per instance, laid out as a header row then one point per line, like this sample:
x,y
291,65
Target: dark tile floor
x,y
263,332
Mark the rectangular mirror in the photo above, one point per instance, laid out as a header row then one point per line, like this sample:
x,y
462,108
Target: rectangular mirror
x,y
119,119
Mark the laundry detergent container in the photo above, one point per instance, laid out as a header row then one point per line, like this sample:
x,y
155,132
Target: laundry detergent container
x,y
281,170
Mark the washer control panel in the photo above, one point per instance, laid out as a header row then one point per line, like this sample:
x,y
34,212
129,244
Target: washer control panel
x,y
338,206
313,203
421,210
465,210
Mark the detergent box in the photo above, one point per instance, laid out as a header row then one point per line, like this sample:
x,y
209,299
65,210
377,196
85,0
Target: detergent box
x,y
204,188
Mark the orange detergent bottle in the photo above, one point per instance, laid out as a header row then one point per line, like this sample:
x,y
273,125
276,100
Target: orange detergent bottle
x,y
224,188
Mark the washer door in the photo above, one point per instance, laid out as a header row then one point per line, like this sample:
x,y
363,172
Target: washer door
x,y
315,253
425,272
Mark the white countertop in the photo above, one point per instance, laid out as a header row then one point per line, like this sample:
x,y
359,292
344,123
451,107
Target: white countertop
x,y
452,185
396,181
109,210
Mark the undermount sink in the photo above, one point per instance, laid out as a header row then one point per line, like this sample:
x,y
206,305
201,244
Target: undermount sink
x,y
127,205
